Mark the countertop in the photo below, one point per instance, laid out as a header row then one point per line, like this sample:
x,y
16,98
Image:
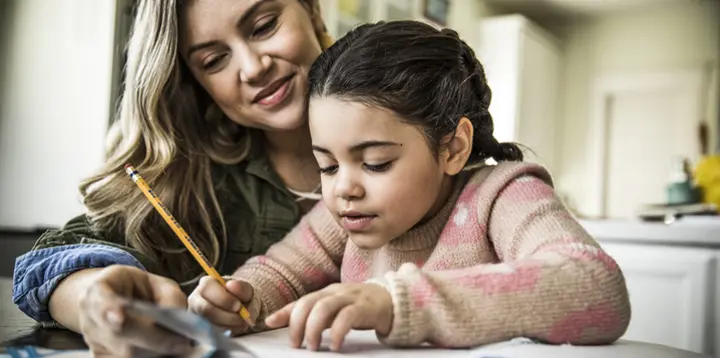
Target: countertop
x,y
693,231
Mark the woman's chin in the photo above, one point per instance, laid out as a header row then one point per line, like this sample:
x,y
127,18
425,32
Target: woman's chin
x,y
288,120
275,123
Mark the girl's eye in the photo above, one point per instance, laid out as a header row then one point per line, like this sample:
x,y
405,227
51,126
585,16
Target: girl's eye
x,y
329,170
213,62
266,27
378,168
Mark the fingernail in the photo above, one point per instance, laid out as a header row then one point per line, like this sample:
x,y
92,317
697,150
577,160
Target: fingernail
x,y
337,346
114,318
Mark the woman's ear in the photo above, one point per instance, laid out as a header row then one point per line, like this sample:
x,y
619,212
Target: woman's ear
x,y
459,147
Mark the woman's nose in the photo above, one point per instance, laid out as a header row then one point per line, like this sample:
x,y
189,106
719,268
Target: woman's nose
x,y
253,65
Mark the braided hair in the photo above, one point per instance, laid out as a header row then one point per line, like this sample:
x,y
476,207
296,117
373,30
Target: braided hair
x,y
429,77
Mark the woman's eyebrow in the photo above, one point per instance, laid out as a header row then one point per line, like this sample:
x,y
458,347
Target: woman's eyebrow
x,y
243,19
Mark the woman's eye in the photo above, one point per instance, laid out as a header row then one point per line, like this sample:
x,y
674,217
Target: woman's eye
x,y
329,170
213,62
266,27
379,168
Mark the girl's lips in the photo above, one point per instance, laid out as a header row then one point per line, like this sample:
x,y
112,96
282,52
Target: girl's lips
x,y
357,223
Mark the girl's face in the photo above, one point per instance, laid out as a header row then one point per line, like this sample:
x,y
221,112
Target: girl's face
x,y
379,176
252,57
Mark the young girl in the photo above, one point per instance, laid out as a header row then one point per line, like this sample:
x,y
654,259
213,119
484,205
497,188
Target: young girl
x,y
428,243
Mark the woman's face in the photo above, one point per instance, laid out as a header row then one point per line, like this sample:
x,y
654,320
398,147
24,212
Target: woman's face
x,y
252,57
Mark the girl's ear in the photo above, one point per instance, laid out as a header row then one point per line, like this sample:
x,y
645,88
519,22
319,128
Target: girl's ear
x,y
459,147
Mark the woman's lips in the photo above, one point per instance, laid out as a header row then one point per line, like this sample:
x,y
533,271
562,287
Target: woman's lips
x,y
275,93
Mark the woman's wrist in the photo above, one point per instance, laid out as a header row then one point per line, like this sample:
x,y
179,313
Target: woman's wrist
x,y
64,304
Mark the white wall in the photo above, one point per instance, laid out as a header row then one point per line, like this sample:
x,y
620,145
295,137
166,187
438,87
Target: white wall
x,y
55,107
463,17
683,34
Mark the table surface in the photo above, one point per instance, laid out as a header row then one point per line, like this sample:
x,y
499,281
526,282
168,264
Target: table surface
x,y
18,330
365,344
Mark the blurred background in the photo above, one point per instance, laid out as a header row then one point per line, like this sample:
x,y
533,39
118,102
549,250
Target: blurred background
x,y
618,98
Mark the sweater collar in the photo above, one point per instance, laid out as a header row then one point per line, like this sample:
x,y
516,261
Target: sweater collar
x,y
427,234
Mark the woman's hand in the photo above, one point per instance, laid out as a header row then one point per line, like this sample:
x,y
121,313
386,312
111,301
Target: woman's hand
x,y
340,307
221,305
110,332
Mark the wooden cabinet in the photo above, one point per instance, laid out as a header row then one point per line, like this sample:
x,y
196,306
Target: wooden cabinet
x,y
522,64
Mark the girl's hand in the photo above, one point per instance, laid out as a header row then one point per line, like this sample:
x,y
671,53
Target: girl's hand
x,y
220,305
110,332
340,307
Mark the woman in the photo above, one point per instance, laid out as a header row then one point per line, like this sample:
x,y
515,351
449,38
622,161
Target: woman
x,y
213,116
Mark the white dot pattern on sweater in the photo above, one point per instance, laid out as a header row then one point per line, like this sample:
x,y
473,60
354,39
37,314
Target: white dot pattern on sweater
x,y
461,215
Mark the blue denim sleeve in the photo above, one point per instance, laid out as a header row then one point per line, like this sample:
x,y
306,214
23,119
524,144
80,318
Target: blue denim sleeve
x,y
38,272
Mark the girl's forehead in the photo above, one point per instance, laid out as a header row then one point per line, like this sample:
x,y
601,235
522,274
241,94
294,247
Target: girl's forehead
x,y
344,123
335,112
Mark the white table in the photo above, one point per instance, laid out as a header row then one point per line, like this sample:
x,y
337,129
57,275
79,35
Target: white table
x,y
275,344
365,344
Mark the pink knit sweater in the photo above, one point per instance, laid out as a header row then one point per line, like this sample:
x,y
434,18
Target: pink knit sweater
x,y
502,259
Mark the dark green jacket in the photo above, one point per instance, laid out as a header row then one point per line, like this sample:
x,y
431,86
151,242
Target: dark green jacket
x,y
258,212
257,208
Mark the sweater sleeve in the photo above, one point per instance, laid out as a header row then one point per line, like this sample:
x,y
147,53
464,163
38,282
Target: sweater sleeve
x,y
552,281
306,260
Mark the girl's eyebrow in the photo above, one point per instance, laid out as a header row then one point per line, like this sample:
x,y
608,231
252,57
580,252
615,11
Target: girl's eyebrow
x,y
361,146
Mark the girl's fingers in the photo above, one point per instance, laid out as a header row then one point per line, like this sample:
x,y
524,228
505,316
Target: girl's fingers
x,y
216,294
322,316
299,316
198,304
222,318
280,318
347,319
240,289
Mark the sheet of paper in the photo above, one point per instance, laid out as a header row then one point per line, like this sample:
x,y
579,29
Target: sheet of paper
x,y
357,344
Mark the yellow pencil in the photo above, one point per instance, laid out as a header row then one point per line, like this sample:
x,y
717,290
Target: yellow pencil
x,y
180,232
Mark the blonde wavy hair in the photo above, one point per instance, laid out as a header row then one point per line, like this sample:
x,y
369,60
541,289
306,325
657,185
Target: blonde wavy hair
x,y
169,129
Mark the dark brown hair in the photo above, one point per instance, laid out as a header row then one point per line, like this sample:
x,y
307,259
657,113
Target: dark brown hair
x,y
429,77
